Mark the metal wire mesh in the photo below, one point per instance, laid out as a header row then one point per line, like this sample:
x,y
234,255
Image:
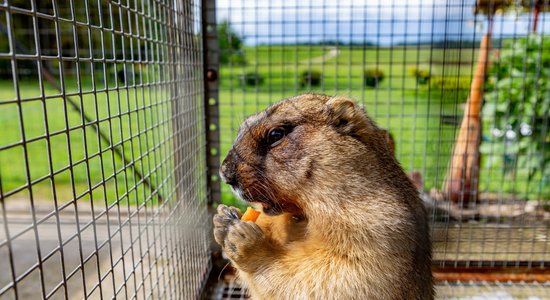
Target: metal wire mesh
x,y
102,159
412,63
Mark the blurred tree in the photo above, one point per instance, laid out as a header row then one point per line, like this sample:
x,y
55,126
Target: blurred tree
x,y
230,45
110,43
518,107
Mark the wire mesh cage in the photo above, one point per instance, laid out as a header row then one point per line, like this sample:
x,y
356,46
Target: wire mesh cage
x,y
102,159
113,116
462,87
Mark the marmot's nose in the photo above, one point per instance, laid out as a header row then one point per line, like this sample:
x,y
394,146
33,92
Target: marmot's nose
x,y
227,176
228,170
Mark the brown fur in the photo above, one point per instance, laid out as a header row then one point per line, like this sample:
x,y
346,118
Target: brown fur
x,y
341,219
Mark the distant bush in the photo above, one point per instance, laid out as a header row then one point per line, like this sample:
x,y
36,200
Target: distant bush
x,y
422,75
310,78
373,77
251,79
238,58
450,83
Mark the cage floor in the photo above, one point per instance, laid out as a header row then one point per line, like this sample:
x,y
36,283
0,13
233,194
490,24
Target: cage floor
x,y
490,242
444,290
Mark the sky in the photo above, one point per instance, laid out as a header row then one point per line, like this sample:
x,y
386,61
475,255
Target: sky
x,y
385,22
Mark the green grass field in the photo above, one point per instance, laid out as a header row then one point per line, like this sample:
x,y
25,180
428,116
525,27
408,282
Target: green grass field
x,y
123,116
413,114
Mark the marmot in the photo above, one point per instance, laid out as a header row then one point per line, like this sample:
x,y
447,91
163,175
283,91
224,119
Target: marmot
x,y
341,220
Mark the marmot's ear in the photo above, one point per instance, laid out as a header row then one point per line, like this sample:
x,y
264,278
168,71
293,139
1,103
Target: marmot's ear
x,y
345,115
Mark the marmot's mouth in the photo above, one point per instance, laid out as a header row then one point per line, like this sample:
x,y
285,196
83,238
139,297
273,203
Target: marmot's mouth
x,y
269,207
271,210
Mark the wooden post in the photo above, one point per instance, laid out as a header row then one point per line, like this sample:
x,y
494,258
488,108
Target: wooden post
x,y
461,184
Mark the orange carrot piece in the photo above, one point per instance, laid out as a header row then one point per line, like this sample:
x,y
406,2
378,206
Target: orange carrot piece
x,y
250,215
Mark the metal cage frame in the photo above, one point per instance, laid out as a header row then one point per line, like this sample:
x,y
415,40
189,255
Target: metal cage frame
x,y
114,116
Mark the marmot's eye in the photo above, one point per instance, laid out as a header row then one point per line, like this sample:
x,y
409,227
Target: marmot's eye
x,y
275,135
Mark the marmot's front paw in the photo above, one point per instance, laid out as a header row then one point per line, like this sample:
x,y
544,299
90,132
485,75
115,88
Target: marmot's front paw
x,y
225,218
241,241
244,241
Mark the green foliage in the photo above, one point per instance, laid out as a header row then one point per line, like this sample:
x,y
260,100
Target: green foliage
x,y
373,77
237,58
310,78
517,107
422,75
450,83
251,79
450,88
230,45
